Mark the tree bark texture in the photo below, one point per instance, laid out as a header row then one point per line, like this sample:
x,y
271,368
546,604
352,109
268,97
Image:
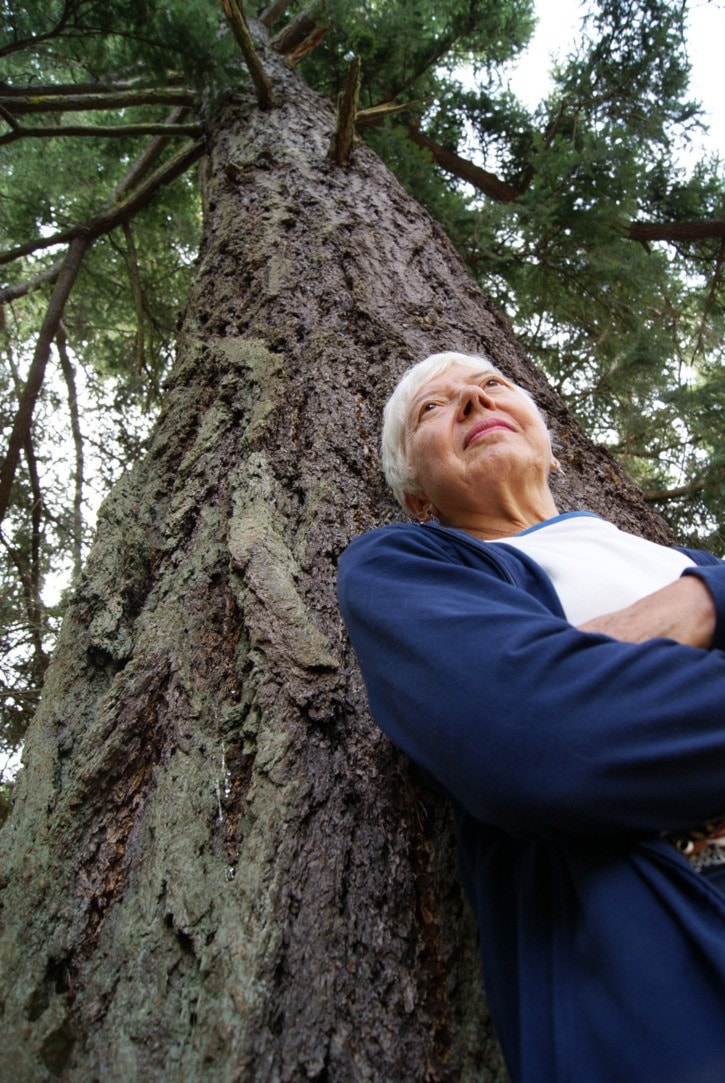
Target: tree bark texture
x,y
217,867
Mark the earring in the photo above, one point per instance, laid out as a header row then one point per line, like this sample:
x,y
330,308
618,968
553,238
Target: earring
x,y
557,467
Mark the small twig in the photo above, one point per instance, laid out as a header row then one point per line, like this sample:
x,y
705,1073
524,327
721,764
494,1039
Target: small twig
x,y
342,140
376,114
240,29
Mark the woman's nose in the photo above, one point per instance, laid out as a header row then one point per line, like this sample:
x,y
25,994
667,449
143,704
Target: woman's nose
x,y
473,397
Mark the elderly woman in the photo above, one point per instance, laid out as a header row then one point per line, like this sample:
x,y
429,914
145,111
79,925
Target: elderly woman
x,y
564,682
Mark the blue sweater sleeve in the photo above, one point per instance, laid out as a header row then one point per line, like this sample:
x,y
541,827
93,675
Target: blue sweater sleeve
x,y
530,724
713,576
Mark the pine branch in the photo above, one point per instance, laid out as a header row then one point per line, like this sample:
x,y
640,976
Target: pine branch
x,y
20,289
70,382
656,495
51,90
99,131
25,43
135,276
136,173
240,29
24,415
704,229
503,192
148,158
81,239
485,182
113,216
48,100
712,294
377,114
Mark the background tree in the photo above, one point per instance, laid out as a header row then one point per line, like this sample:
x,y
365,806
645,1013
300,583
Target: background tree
x,y
577,219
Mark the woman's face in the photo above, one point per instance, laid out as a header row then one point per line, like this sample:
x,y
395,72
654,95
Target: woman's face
x,y
471,437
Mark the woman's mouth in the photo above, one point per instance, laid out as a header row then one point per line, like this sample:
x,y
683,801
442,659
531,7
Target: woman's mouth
x,y
483,427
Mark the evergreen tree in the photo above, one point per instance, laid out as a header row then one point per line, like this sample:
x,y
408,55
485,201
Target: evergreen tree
x,y
216,867
605,253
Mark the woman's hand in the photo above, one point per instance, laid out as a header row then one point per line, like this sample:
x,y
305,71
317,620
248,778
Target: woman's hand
x,y
683,611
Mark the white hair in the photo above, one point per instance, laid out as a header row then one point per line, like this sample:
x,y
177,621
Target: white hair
x,y
398,471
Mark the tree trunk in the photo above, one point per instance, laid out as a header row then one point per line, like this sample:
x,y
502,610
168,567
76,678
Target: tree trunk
x,y
216,867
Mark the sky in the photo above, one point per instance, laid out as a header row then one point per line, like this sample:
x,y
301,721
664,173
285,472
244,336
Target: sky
x,y
558,26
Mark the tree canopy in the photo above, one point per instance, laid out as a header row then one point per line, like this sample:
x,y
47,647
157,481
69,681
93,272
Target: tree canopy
x,y
578,219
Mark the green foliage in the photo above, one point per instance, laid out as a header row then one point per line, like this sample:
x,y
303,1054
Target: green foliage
x,y
402,43
630,333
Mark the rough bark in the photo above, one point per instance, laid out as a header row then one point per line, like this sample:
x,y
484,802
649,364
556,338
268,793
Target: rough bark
x,y
216,867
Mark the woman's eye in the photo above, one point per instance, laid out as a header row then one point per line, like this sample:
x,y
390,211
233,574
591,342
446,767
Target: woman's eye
x,y
493,381
427,407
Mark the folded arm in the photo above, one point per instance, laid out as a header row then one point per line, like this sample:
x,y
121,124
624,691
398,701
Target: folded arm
x,y
683,611
534,725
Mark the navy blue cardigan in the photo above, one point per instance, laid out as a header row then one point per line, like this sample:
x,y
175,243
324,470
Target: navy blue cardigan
x,y
566,755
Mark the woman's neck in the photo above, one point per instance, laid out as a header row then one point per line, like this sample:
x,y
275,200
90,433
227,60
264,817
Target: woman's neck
x,y
487,526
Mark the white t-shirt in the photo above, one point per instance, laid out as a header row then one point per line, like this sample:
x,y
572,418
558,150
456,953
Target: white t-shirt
x,y
595,567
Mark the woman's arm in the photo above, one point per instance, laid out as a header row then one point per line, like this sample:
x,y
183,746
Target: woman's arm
x,y
531,724
683,611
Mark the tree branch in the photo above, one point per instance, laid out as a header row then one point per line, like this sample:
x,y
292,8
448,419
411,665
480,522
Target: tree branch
x,y
342,140
298,30
308,45
20,289
702,230
81,239
485,182
113,216
490,185
23,418
712,294
133,270
654,495
51,90
38,101
135,174
77,520
24,43
148,158
240,29
376,114
101,131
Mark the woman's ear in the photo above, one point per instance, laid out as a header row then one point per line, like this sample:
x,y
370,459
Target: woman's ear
x,y
419,506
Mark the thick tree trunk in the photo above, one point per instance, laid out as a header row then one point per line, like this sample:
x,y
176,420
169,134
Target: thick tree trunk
x,y
217,868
